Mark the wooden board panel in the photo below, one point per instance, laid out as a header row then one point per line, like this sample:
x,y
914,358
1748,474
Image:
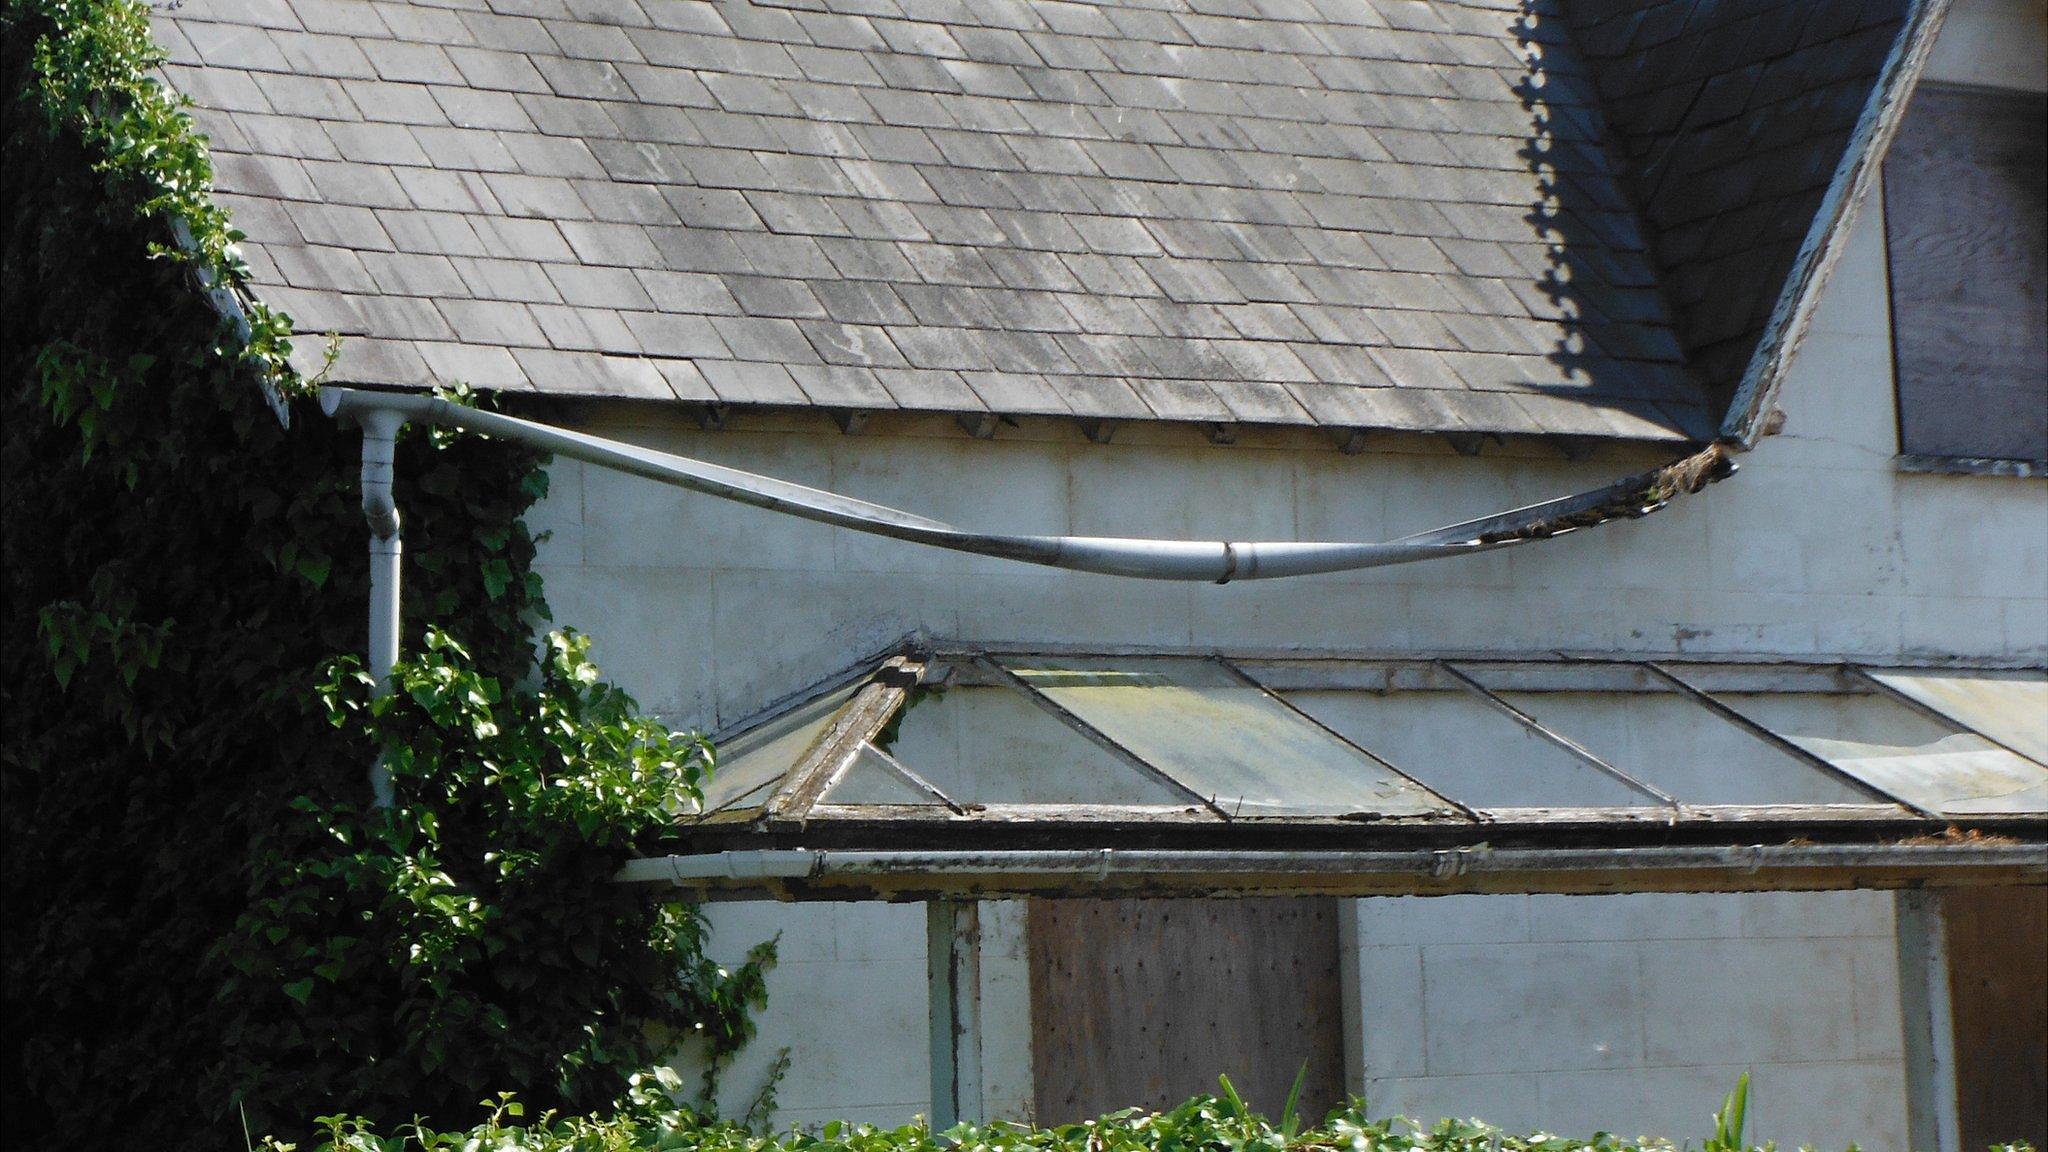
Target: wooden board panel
x,y
1964,184
1145,1002
1998,979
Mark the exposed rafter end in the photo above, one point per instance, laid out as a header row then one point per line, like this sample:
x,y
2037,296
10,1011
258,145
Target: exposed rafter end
x,y
980,425
1575,448
711,417
1350,441
1469,443
851,421
1097,431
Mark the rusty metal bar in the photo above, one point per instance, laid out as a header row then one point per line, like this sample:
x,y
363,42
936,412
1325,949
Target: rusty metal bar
x,y
1096,735
1777,741
1562,741
1361,749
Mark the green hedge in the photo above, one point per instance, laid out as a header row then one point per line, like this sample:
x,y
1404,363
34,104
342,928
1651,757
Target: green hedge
x,y
1224,1123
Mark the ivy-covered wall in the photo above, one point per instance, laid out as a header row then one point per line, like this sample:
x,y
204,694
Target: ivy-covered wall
x,y
203,920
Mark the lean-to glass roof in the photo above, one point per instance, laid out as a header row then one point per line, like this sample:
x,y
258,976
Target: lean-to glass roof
x,y
931,742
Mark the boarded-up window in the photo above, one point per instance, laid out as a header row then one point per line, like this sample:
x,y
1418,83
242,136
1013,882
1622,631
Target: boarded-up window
x,y
1998,980
1145,1002
1964,188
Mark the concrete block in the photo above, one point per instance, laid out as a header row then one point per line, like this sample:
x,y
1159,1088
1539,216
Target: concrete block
x,y
634,521
804,933
1391,1021
981,485
2026,628
1875,962
1506,1101
1747,1000
779,631
883,1062
877,932
650,632
1946,626
1674,1103
1335,612
1973,538
1634,916
1044,607
1532,1007
557,518
1830,1105
1801,915
1392,920
1857,299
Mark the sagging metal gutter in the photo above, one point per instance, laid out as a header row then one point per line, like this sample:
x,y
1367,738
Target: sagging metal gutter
x,y
1214,561
826,874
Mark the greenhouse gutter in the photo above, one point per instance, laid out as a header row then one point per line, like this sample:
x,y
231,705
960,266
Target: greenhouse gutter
x,y
831,874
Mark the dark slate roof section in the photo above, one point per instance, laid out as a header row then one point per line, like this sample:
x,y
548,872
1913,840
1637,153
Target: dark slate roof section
x,y
1356,213
1734,116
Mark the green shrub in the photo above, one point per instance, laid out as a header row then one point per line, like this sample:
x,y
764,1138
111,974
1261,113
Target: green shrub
x,y
202,921
1204,1124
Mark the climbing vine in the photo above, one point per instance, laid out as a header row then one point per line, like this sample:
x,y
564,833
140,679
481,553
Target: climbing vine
x,y
203,921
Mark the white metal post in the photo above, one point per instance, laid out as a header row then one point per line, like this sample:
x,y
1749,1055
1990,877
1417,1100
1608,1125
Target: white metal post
x,y
1924,1013
953,969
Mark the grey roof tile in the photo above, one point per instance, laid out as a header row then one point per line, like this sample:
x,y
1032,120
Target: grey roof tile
x,y
751,382
493,322
478,365
669,334
836,386
593,374
931,390
584,328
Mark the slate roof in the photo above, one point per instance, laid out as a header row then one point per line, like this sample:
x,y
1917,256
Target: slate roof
x,y
1355,213
1733,115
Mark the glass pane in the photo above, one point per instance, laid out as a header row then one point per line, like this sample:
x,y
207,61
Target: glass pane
x,y
1466,749
1661,736
872,780
1224,738
1894,748
763,755
2009,707
989,744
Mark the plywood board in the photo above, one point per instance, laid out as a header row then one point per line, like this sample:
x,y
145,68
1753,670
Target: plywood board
x,y
1998,978
1963,187
1145,1002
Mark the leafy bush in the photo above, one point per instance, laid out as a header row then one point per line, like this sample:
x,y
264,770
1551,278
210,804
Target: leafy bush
x,y
471,936
1204,1124
201,921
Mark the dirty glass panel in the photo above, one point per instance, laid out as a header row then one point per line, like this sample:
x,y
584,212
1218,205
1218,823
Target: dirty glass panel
x,y
1224,738
1895,748
761,756
873,780
2009,707
1461,746
989,744
1663,737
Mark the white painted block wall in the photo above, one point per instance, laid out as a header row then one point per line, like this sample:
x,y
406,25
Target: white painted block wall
x,y
1625,1013
1636,1014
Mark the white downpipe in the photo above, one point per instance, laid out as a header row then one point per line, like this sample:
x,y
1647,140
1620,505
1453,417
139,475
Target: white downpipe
x,y
387,547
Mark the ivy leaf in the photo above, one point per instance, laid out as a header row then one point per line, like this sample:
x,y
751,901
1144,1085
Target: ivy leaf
x,y
300,990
